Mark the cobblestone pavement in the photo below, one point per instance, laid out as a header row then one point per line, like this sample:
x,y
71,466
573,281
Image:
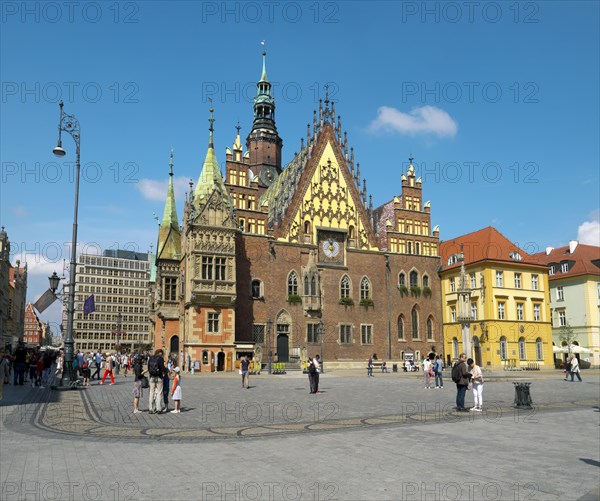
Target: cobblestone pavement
x,y
384,437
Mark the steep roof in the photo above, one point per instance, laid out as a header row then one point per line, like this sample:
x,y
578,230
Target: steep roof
x,y
169,235
584,260
487,244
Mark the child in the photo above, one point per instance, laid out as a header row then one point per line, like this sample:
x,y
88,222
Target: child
x,y
176,392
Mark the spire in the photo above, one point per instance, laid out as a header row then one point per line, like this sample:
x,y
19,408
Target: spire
x,y
210,177
238,141
263,77
169,235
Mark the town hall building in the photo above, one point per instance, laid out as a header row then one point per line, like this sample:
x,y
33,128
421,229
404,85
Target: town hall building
x,y
281,262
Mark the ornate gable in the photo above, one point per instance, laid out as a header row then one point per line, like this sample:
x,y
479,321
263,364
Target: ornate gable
x,y
327,197
215,211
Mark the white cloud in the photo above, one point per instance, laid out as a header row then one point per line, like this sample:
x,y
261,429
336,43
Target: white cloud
x,y
157,190
423,120
589,231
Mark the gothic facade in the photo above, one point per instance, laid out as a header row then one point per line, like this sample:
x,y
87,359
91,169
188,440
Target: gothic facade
x,y
281,262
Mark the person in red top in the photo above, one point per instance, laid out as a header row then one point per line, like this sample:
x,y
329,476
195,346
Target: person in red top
x,y
39,371
176,392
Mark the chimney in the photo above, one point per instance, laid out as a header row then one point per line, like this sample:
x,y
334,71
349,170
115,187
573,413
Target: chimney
x,y
549,250
572,246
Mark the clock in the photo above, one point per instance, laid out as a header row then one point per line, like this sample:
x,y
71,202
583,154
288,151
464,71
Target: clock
x,y
331,248
267,175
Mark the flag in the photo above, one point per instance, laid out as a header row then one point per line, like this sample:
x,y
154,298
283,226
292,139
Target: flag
x,y
89,306
45,300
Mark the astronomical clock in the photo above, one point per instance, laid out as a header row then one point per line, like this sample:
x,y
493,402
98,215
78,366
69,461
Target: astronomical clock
x,y
331,247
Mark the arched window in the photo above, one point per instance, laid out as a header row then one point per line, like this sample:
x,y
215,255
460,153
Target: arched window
x,y
415,323
306,286
307,227
429,328
365,288
345,287
454,347
425,281
522,350
313,286
414,278
503,348
401,327
402,279
292,283
539,349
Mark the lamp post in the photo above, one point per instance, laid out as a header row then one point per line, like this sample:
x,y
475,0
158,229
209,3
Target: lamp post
x,y
464,307
69,124
269,349
321,329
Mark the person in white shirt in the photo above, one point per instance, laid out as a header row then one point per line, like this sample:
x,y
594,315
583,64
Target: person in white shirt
x,y
575,369
427,372
477,382
316,362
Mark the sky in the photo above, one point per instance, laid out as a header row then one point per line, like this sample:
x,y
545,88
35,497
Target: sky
x,y
497,102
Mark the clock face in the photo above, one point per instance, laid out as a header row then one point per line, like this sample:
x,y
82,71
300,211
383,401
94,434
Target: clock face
x,y
331,248
267,176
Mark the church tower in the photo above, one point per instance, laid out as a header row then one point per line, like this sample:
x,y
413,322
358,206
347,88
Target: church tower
x,y
209,266
263,143
168,283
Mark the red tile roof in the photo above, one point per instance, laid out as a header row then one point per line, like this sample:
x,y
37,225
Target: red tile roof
x,y
585,260
487,244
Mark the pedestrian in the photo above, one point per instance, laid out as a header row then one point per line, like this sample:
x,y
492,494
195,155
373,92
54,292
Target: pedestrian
x,y
176,391
384,367
80,360
19,365
48,356
39,371
165,389
27,364
460,377
312,370
427,372
317,364
33,360
370,367
109,366
438,367
477,382
117,362
125,363
3,371
60,363
156,369
575,369
188,362
567,367
244,368
138,372
85,370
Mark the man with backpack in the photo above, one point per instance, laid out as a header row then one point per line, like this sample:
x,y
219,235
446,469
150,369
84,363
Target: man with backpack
x,y
460,375
156,370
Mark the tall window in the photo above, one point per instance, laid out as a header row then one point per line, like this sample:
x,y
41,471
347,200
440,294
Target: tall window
x,y
473,281
170,289
501,311
213,322
401,279
292,283
365,288
400,327
345,287
313,286
539,349
220,267
560,293
429,328
517,280
503,348
520,311
306,286
312,333
522,350
453,313
425,281
256,289
207,268
452,285
499,280
415,323
536,312
562,318
454,347
564,267
414,278
534,282
345,334
552,270
474,311
366,334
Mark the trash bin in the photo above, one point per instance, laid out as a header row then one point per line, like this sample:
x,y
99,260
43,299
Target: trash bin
x,y
394,367
522,395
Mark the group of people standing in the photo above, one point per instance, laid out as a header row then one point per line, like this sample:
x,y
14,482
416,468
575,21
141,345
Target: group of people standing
x,y
156,377
468,375
572,368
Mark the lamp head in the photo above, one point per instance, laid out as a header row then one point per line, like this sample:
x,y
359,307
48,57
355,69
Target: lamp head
x,y
54,281
58,150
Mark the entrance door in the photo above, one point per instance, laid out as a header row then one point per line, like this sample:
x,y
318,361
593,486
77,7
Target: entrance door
x,y
220,361
477,350
283,348
174,348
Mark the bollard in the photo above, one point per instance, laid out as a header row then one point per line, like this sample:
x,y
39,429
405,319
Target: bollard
x,y
522,396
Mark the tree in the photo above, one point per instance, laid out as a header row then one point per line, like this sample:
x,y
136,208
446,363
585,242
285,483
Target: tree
x,y
567,335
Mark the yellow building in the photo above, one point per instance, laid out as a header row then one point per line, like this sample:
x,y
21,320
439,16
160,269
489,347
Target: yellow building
x,y
499,314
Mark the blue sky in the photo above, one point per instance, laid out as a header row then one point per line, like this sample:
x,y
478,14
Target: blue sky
x,y
497,102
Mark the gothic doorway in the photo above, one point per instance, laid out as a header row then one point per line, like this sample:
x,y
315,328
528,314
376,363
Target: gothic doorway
x,y
477,350
174,348
221,361
283,348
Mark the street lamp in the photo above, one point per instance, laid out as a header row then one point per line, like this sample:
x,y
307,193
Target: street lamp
x,y
69,124
464,307
321,354
269,349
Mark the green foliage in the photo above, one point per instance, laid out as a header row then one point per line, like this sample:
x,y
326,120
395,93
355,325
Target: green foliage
x,y
426,292
403,290
366,302
347,301
415,290
294,299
